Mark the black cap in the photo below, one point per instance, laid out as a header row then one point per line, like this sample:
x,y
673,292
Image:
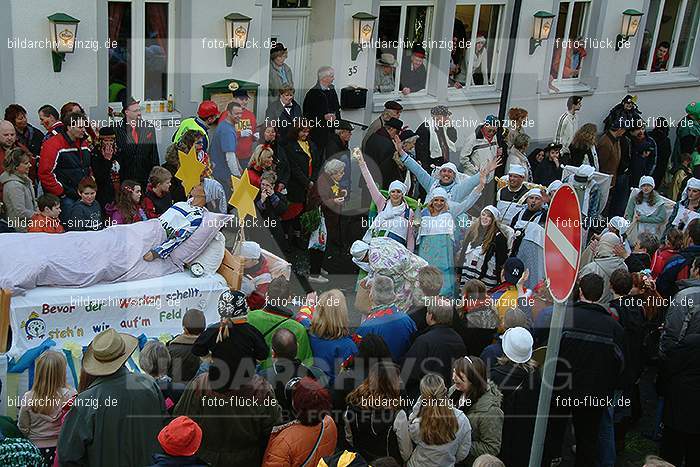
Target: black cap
x,y
241,93
553,147
128,102
344,125
393,105
107,131
394,123
407,134
278,47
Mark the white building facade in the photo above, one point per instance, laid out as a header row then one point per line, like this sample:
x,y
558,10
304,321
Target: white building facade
x,y
162,48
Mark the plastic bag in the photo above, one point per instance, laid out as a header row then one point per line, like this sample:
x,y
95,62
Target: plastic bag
x,y
317,240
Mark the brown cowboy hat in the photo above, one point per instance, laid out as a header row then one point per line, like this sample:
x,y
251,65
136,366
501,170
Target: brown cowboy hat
x,y
107,352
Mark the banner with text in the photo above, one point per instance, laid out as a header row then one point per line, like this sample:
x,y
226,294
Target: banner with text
x,y
74,316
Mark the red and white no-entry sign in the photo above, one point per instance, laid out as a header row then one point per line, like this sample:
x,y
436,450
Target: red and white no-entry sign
x,y
562,243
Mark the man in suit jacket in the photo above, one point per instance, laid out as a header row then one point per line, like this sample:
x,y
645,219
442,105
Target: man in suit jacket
x,y
392,109
137,150
281,112
321,105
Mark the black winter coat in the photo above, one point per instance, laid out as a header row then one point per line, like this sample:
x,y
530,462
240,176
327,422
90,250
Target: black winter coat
x,y
380,148
299,179
591,356
631,318
521,392
433,351
681,408
317,103
373,434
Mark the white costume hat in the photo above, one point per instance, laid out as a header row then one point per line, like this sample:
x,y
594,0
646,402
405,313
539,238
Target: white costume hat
x,y
534,192
554,186
450,166
493,210
250,250
397,185
585,171
516,170
647,180
359,249
517,344
438,192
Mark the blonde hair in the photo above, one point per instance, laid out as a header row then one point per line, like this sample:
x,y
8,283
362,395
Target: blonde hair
x,y
487,460
330,319
260,151
438,424
49,380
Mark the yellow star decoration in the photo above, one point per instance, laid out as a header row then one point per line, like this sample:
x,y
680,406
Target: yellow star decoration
x,y
243,196
190,169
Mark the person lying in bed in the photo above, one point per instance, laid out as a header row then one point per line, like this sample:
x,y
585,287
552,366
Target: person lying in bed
x,y
179,222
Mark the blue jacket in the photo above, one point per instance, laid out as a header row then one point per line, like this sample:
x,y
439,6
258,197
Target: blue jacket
x,y
329,354
394,326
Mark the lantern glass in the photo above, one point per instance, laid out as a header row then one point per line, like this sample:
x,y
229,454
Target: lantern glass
x,y
63,37
630,24
365,32
542,28
239,35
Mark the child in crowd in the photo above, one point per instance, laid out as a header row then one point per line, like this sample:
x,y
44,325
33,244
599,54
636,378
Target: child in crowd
x,y
271,205
184,363
682,173
40,412
86,213
180,440
46,220
158,198
127,207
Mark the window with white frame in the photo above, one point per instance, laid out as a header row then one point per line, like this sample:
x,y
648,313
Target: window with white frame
x,y
142,62
569,53
669,35
475,44
404,47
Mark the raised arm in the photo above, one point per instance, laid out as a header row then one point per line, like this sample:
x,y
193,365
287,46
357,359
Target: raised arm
x,y
466,187
377,197
424,178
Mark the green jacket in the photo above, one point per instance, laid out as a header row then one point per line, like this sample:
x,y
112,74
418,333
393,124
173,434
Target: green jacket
x,y
272,318
113,422
190,124
234,431
486,418
658,217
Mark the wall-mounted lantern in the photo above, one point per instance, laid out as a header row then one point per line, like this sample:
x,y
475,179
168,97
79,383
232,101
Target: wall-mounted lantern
x,y
236,34
362,32
542,27
630,24
64,29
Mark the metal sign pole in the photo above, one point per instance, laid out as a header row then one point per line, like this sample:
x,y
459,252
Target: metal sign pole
x,y
550,366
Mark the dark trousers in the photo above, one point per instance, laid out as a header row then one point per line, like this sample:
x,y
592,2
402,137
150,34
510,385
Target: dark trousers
x,y
316,258
677,446
586,423
619,196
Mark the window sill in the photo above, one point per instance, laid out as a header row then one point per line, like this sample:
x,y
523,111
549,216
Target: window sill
x,y
486,95
566,90
410,102
662,81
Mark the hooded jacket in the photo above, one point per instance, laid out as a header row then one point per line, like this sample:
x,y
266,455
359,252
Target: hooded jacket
x,y
486,419
683,307
19,199
417,453
604,264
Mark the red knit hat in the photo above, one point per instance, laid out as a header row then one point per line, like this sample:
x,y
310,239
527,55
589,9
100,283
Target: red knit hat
x,y
181,437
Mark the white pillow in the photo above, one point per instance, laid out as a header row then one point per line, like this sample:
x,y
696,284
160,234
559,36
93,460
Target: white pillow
x,y
213,254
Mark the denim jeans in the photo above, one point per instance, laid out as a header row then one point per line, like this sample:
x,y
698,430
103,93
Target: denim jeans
x,y
606,436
